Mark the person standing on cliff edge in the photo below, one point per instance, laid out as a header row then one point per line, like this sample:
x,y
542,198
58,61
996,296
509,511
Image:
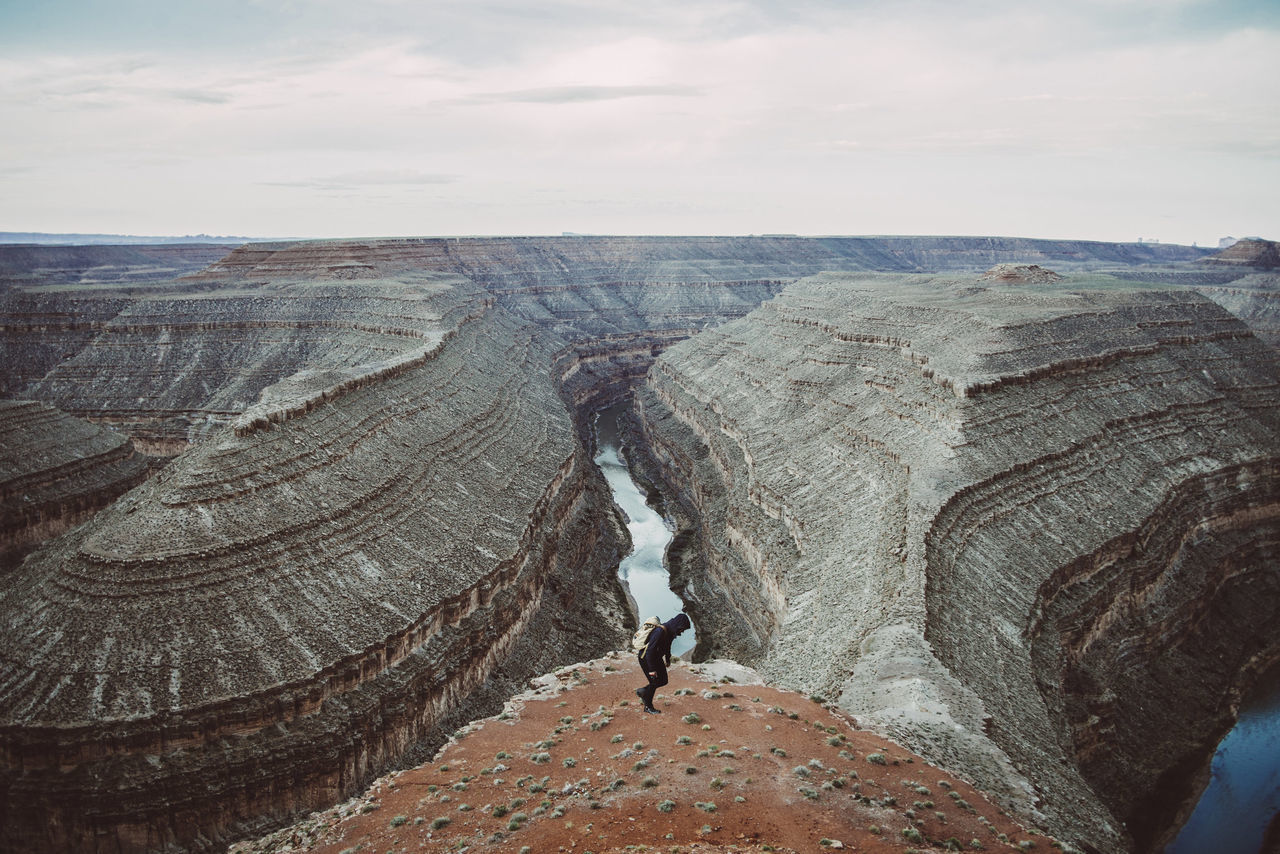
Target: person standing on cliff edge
x,y
656,656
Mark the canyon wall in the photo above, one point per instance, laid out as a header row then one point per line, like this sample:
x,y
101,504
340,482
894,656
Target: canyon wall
x,y
1030,531
55,472
296,601
378,520
27,264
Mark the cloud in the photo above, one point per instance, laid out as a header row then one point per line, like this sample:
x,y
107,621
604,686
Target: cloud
x,y
200,96
719,109
367,178
581,94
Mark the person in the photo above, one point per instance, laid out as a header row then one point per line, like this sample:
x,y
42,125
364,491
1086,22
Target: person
x,y
656,657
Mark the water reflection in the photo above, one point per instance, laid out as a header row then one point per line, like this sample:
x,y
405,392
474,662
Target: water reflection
x,y
642,571
1244,787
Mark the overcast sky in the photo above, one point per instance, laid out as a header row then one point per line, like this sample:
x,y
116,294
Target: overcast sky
x,y
1115,120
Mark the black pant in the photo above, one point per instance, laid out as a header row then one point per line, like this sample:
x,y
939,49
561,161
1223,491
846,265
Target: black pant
x,y
655,682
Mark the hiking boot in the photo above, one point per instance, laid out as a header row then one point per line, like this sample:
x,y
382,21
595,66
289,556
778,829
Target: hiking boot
x,y
650,710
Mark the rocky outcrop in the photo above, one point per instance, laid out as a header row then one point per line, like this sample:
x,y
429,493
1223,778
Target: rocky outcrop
x,y
1014,527
574,755
1020,274
167,369
1242,278
288,609
1258,254
55,472
1255,299
25,264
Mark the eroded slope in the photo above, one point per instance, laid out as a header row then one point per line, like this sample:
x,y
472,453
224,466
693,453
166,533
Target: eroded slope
x,y
55,472
298,600
956,506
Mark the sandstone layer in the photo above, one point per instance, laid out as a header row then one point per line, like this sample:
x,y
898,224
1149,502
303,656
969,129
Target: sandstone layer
x,y
55,472
294,603
1031,533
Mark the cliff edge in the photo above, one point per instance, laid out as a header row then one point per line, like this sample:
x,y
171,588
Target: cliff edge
x,y
732,765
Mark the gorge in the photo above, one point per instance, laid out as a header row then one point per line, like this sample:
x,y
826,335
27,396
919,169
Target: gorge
x,y
1024,525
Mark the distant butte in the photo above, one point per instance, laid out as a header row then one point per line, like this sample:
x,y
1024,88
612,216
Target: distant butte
x,y
1021,522
1262,254
1020,274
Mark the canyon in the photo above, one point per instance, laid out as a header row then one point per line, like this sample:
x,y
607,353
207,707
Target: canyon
x,y
1024,523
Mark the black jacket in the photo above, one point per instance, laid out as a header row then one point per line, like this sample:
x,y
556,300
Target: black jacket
x,y
658,652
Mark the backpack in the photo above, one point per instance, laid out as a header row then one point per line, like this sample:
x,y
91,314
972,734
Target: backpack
x,y
640,640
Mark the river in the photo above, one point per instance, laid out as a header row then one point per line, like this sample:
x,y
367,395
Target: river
x,y
1243,794
642,571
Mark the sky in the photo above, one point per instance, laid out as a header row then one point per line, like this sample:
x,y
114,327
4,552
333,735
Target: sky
x,y
1118,120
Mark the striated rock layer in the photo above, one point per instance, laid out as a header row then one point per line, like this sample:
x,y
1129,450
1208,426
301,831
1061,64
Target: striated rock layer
x,y
1244,279
1031,533
28,264
382,520
293,604
168,362
55,472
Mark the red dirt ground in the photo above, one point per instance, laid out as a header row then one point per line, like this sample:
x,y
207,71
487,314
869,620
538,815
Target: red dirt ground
x,y
726,768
